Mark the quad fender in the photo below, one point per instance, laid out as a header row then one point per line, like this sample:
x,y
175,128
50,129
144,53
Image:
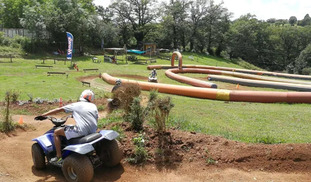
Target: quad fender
x,y
88,147
45,142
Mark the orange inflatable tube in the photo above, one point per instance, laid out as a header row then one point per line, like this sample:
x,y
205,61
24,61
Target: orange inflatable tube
x,y
176,53
219,94
267,73
171,73
216,94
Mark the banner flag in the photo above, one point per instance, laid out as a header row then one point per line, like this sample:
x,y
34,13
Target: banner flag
x,y
70,45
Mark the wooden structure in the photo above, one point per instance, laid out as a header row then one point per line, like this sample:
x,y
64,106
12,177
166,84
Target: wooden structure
x,y
57,73
93,69
116,52
85,83
150,48
43,66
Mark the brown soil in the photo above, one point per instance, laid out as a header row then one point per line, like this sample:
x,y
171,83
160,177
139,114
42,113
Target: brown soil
x,y
177,156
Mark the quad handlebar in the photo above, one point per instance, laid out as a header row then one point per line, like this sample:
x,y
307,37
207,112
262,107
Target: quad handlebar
x,y
57,122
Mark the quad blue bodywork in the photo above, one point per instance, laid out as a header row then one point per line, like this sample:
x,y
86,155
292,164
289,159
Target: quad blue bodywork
x,y
46,142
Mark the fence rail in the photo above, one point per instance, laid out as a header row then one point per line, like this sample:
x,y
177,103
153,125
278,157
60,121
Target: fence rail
x,y
11,32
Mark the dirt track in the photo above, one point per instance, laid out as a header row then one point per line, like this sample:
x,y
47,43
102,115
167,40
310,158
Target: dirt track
x,y
16,165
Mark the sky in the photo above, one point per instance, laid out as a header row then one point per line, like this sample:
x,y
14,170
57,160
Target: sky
x,y
263,9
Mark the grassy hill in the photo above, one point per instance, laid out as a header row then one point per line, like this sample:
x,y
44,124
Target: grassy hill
x,y
248,122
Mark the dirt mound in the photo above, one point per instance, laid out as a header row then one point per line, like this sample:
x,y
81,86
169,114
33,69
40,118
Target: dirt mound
x,y
178,147
177,156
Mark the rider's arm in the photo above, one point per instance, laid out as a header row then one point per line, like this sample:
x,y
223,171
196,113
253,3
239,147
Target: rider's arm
x,y
53,111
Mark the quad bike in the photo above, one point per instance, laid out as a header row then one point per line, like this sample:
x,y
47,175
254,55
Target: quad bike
x,y
80,155
152,79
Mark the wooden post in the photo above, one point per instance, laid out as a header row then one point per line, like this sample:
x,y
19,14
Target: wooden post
x,y
11,58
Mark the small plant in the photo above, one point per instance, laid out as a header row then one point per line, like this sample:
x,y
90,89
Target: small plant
x,y
161,110
101,108
7,125
140,153
135,115
15,96
268,140
153,95
30,97
118,129
210,161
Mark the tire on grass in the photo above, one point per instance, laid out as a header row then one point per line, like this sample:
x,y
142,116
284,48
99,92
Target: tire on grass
x,y
38,156
78,168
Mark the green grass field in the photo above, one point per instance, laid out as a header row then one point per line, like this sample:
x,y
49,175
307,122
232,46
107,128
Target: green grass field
x,y
242,121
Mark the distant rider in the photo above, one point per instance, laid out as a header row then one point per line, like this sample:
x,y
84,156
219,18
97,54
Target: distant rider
x,y
153,73
117,85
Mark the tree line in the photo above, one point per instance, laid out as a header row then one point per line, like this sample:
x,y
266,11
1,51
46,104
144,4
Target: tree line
x,y
188,25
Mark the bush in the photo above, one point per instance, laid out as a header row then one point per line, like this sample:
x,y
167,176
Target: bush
x,y
126,94
140,153
225,55
136,115
7,124
306,71
159,108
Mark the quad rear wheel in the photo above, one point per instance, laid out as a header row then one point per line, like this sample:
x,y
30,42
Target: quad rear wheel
x,y
112,153
38,156
78,168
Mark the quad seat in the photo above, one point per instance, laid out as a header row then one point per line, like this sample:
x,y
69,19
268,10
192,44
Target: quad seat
x,y
85,139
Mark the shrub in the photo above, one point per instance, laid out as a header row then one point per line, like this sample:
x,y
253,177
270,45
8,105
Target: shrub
x,y
159,108
118,129
140,153
7,125
126,94
136,115
225,55
306,71
15,96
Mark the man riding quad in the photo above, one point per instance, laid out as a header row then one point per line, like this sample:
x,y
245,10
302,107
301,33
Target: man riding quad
x,y
85,114
153,76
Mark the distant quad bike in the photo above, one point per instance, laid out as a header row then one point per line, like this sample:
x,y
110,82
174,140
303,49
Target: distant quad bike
x,y
153,79
80,155
153,76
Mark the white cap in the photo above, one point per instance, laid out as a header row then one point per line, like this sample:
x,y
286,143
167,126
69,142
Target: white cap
x,y
87,95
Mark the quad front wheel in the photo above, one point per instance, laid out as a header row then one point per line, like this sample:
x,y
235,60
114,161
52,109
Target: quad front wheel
x,y
38,156
78,168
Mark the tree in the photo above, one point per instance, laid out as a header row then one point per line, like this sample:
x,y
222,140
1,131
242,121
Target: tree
x,y
292,20
174,16
34,20
11,11
138,13
242,38
306,20
198,10
303,60
271,20
216,25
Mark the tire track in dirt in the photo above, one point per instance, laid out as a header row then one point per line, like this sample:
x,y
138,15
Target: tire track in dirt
x,y
16,165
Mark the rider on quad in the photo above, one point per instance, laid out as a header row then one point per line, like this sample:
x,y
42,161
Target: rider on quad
x,y
153,76
117,85
85,114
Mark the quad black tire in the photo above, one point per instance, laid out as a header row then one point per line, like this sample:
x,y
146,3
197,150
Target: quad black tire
x,y
78,168
38,156
113,153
